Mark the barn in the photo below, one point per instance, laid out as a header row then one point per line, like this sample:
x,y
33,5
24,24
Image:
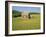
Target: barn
x,y
26,15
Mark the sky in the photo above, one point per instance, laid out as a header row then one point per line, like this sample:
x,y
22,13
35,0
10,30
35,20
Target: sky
x,y
30,9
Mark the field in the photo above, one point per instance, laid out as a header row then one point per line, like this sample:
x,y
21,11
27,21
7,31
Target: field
x,y
28,24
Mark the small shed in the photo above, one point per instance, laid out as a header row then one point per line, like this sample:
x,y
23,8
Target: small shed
x,y
25,15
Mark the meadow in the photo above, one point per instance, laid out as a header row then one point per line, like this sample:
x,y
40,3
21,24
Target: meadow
x,y
29,24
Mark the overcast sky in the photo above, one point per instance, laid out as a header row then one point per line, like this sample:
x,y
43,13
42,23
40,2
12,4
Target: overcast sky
x,y
30,9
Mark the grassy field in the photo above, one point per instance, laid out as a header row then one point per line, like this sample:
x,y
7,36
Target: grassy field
x,y
28,24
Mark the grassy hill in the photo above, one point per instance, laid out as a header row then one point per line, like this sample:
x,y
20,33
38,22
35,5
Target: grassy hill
x,y
25,24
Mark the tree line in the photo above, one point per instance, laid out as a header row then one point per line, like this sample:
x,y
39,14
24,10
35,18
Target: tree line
x,y
16,13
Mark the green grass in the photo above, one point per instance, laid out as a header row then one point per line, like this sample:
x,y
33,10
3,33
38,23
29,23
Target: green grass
x,y
26,24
